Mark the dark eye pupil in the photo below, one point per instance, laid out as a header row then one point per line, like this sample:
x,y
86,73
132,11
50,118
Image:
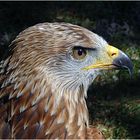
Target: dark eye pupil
x,y
80,52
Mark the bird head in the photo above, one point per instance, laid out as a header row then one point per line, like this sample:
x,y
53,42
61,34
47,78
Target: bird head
x,y
68,56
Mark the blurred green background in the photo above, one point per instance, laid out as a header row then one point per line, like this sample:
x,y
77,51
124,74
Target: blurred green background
x,y
113,99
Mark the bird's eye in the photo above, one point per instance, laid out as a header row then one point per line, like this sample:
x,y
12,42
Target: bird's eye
x,y
79,53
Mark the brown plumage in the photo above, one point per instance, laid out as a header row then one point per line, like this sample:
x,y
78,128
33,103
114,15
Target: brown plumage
x,y
45,80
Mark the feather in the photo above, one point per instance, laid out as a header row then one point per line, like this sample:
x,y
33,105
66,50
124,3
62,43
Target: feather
x,y
43,89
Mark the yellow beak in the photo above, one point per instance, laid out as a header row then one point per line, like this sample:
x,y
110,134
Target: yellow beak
x,y
114,58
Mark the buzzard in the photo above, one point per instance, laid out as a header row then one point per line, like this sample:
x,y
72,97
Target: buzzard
x,y
45,78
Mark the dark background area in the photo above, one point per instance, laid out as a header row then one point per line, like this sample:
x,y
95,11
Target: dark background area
x,y
113,101
104,18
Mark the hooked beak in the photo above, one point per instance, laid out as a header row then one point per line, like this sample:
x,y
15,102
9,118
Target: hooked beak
x,y
114,58
123,62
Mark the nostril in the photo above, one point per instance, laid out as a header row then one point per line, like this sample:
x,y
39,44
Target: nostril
x,y
113,54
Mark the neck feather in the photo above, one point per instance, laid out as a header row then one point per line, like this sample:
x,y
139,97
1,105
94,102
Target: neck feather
x,y
65,109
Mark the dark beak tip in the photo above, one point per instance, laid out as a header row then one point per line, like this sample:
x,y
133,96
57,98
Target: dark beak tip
x,y
131,70
129,66
124,62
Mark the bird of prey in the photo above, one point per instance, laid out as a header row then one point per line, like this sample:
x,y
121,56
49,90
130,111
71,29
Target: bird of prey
x,y
45,78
